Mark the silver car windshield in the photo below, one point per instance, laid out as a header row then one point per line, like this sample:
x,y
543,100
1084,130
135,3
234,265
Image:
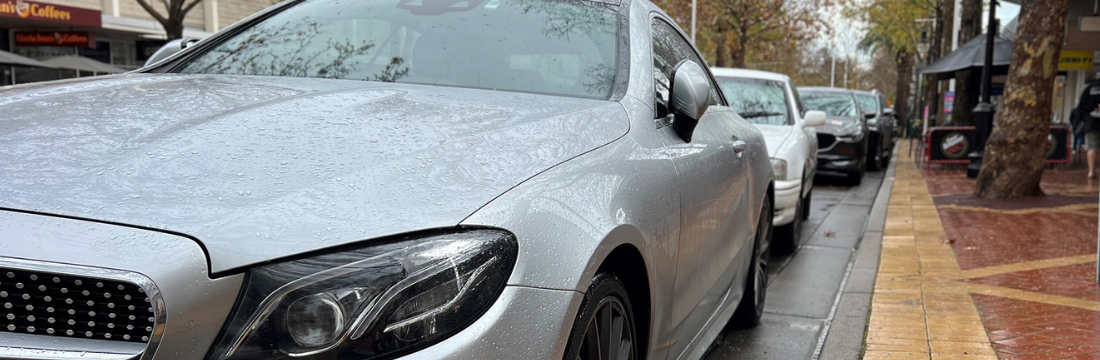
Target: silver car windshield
x,y
758,101
536,46
833,104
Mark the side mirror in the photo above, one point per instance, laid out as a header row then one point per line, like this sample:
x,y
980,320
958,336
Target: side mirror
x,y
813,118
688,97
888,112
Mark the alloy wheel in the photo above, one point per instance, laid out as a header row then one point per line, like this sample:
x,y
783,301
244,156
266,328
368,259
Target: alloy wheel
x,y
609,335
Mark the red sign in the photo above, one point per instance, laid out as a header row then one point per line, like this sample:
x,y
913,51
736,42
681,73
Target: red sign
x,y
67,15
56,38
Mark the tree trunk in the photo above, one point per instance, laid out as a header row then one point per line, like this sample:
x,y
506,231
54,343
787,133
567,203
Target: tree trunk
x,y
1014,153
739,53
174,28
904,61
967,82
723,56
971,24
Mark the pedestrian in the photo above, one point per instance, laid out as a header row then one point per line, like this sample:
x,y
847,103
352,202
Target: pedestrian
x,y
1088,111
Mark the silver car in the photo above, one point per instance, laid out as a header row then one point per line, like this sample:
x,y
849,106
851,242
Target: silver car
x,y
436,179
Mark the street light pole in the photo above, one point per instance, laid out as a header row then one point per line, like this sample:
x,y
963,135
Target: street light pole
x,y
983,113
693,5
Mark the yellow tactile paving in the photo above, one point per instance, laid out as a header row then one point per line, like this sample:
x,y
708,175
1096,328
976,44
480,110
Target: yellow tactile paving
x,y
919,311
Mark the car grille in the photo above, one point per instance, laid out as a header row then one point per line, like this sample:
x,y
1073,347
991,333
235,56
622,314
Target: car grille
x,y
825,141
50,304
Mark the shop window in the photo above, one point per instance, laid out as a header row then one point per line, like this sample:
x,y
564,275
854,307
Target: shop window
x,y
123,53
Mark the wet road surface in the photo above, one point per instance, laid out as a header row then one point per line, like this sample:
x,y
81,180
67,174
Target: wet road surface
x,y
803,285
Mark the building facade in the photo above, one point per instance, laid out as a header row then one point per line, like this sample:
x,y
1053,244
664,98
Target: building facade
x,y
116,32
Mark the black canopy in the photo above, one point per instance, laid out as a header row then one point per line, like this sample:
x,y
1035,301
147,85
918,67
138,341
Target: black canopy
x,y
972,54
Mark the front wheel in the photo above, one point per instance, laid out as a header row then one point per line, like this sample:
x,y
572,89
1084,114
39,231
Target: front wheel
x,y
787,236
751,308
604,329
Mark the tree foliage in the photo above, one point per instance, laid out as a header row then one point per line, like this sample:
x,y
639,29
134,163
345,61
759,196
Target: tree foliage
x,y
751,33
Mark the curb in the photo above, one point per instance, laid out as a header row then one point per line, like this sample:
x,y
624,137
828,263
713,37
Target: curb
x,y
845,333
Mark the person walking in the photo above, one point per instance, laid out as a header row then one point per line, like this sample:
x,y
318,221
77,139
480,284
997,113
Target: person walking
x,y
1088,112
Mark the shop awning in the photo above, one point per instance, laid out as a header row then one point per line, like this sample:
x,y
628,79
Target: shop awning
x,y
73,62
972,54
9,59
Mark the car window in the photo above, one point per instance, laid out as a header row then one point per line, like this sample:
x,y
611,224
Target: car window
x,y
882,103
833,104
560,47
868,104
757,101
669,48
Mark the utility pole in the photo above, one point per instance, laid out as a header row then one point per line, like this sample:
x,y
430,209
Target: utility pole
x,y
832,77
694,3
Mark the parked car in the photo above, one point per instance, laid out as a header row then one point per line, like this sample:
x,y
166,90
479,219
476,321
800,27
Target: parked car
x,y
510,179
769,101
881,124
842,142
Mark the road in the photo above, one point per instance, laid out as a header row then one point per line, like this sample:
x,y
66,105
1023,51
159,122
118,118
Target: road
x,y
803,286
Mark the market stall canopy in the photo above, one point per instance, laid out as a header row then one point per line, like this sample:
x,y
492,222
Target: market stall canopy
x,y
9,59
972,54
73,62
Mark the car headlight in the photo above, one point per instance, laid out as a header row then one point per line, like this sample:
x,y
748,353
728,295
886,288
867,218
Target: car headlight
x,y
779,166
365,303
850,130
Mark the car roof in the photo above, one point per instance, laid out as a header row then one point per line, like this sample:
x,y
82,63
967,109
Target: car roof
x,y
824,89
866,92
746,73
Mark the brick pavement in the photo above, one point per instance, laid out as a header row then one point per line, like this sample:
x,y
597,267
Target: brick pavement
x,y
964,278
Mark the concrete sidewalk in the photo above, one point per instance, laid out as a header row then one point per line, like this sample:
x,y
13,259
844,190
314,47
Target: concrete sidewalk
x,y
963,278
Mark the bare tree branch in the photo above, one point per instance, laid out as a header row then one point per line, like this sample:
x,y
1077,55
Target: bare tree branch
x,y
149,8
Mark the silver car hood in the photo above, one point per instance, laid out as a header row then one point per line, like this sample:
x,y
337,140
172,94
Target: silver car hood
x,y
774,136
258,168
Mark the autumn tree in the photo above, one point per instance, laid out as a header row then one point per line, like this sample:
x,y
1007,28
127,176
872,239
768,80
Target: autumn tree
x,y
1013,162
170,14
893,27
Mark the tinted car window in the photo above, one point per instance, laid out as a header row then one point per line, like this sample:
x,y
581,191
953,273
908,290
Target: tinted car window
x,y
833,104
868,103
552,47
669,48
758,101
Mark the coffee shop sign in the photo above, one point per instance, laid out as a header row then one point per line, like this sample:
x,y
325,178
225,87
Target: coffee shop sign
x,y
52,13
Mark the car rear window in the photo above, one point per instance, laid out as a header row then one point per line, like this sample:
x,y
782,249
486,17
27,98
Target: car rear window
x,y
537,46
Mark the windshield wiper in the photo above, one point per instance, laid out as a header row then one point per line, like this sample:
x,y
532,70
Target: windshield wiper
x,y
756,114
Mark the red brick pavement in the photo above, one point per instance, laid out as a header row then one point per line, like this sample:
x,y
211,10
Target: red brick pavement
x,y
1023,330
987,233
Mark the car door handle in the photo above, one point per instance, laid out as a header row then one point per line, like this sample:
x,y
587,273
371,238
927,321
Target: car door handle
x,y
739,146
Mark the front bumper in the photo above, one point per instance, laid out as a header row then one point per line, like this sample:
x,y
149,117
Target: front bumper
x,y
787,193
523,323
841,157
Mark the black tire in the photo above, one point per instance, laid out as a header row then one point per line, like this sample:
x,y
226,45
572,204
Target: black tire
x,y
807,204
606,309
787,236
751,308
874,154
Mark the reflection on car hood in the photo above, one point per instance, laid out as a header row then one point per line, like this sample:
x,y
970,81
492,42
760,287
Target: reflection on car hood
x,y
260,168
774,136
